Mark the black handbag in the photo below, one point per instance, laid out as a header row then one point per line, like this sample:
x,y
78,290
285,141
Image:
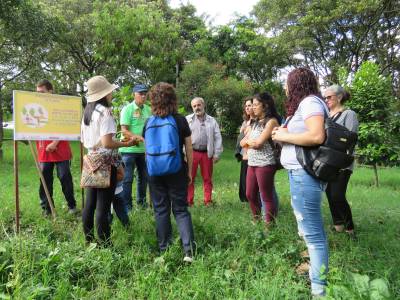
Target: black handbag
x,y
325,161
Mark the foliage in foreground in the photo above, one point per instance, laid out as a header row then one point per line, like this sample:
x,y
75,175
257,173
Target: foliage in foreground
x,y
235,259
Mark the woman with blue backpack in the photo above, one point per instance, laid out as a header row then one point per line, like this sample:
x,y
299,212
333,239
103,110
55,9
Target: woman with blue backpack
x,y
166,133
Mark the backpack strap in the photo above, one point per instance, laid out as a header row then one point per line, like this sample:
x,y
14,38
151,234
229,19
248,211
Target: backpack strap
x,y
337,116
326,110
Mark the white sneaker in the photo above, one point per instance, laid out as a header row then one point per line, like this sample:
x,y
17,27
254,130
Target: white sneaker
x,y
188,259
72,211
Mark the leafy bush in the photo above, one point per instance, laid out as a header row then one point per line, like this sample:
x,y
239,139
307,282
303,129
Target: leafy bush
x,y
373,102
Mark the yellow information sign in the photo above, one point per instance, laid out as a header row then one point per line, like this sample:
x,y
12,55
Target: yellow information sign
x,y
43,116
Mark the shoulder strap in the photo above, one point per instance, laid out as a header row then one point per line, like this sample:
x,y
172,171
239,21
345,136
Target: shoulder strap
x,y
285,125
336,116
174,123
326,112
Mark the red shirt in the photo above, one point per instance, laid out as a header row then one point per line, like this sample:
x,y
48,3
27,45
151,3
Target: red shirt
x,y
63,151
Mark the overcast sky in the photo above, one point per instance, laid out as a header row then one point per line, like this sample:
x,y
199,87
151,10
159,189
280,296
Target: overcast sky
x,y
220,11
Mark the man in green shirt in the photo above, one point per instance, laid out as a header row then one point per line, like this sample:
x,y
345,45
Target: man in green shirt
x,y
133,117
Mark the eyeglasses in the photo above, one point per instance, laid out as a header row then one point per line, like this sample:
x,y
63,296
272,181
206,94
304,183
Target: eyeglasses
x,y
329,97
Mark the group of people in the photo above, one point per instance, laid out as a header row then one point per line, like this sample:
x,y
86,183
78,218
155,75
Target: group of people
x,y
262,129
200,143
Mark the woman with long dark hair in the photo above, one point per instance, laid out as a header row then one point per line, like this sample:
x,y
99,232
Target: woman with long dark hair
x,y
305,127
261,160
241,153
97,135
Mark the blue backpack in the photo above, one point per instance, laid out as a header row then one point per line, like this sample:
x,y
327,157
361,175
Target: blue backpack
x,y
163,155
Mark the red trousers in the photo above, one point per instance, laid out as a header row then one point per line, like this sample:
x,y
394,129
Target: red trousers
x,y
206,168
261,179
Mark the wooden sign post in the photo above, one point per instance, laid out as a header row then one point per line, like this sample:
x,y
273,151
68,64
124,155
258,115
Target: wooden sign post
x,y
38,117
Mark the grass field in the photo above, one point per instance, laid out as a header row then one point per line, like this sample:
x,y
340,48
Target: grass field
x,y
235,259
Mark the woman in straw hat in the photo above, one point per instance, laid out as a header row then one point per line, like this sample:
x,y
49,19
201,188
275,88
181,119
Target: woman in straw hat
x,y
97,132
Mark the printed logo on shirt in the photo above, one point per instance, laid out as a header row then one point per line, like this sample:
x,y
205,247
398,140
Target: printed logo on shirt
x,y
136,114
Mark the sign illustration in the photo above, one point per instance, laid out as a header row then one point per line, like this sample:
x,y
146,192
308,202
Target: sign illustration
x,y
42,116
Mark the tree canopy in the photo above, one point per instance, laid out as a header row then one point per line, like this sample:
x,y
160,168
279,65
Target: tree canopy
x,y
146,41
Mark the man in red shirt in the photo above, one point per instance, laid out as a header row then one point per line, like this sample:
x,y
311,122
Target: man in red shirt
x,y
56,153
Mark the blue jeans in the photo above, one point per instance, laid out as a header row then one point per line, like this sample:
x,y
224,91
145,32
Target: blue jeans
x,y
170,193
306,193
132,160
120,208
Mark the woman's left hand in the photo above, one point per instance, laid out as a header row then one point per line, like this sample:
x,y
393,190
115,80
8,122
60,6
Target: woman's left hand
x,y
251,143
279,134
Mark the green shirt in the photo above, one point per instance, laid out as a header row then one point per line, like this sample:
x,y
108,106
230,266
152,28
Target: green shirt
x,y
134,117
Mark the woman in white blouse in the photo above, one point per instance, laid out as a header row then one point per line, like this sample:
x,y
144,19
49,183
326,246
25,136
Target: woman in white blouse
x,y
97,134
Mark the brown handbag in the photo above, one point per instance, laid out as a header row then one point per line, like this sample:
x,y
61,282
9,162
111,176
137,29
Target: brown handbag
x,y
96,171
120,173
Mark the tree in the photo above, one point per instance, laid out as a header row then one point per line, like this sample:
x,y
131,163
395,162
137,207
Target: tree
x,y
139,41
222,94
247,53
24,30
327,35
194,80
225,97
373,101
194,35
71,59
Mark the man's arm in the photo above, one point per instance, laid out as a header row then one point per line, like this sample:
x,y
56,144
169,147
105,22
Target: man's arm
x,y
125,121
217,142
189,156
52,146
125,131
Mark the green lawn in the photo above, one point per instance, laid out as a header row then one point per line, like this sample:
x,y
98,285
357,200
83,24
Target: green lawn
x,y
235,259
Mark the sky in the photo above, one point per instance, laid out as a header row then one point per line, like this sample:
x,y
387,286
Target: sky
x,y
220,11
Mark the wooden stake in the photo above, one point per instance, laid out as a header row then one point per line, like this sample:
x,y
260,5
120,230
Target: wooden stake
x,y
82,189
46,190
16,189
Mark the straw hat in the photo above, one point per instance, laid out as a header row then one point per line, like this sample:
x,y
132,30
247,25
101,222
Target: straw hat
x,y
98,87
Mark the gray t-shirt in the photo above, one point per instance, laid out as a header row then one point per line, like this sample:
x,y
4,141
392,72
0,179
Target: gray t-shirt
x,y
309,107
348,119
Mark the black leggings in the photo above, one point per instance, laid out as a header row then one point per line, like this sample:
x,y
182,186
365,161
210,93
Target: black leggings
x,y
336,194
242,181
99,200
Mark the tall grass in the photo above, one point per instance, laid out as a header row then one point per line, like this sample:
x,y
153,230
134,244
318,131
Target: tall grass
x,y
234,259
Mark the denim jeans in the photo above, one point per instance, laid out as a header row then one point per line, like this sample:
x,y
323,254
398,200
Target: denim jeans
x,y
132,160
120,208
65,177
306,193
170,193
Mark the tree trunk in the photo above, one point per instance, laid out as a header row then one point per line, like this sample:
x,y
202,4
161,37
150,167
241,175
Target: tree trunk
x,y
376,175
